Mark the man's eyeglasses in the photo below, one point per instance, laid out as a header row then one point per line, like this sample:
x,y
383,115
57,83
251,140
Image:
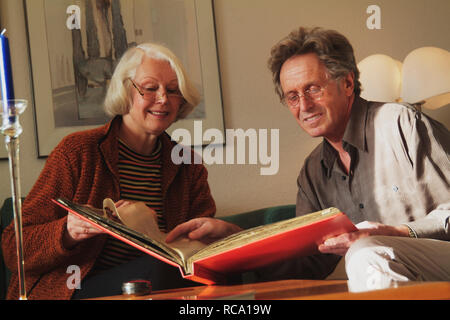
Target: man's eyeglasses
x,y
150,93
314,93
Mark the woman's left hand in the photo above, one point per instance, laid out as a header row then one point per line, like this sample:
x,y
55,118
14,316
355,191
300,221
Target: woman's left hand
x,y
206,230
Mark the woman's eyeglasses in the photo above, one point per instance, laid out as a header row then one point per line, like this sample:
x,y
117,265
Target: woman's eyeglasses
x,y
150,93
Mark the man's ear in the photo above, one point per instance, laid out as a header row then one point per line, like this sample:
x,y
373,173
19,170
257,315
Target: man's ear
x,y
349,84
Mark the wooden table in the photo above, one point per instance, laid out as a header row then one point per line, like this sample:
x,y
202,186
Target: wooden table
x,y
299,290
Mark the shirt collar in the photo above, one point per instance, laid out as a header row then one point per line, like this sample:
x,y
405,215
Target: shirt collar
x,y
354,135
355,132
328,157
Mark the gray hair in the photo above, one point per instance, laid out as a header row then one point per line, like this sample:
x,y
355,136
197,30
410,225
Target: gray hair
x,y
118,97
332,48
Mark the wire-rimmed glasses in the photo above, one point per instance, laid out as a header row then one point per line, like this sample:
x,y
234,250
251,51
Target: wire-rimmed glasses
x,y
151,93
313,93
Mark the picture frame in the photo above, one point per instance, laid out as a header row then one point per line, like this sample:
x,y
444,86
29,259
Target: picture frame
x,y
62,52
3,150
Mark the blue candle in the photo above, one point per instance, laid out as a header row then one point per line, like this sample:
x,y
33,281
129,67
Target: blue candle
x,y
6,82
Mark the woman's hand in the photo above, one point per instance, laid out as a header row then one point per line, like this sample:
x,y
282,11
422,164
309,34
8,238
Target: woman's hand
x,y
340,244
206,230
78,230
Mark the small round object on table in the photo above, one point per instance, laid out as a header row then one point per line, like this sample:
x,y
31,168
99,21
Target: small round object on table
x,y
137,287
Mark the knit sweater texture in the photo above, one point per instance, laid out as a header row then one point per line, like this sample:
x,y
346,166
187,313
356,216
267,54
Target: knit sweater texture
x,y
83,168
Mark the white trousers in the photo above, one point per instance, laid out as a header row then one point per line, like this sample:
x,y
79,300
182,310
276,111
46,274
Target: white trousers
x,y
379,262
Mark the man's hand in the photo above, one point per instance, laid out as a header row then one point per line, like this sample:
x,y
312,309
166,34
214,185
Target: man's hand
x,y
207,230
340,244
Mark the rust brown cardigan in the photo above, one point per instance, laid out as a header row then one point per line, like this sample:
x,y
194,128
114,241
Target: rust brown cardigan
x,y
83,167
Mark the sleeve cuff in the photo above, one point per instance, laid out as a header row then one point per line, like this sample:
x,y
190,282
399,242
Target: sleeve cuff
x,y
434,226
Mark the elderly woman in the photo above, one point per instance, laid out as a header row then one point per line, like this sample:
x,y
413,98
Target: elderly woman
x,y
126,159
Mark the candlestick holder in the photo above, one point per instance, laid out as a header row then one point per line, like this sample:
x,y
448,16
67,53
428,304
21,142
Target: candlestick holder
x,y
11,129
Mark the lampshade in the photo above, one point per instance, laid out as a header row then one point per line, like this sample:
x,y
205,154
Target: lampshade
x,y
380,78
426,77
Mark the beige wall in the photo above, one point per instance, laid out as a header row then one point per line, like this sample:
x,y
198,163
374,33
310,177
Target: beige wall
x,y
246,30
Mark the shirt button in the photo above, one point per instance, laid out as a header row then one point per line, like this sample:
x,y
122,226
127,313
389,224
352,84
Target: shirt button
x,y
361,206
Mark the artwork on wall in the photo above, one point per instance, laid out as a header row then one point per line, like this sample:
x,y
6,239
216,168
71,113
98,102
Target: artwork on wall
x,y
3,151
76,44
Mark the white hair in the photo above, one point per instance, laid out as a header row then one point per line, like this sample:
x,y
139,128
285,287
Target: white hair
x,y
118,96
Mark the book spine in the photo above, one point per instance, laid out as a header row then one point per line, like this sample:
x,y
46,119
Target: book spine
x,y
205,276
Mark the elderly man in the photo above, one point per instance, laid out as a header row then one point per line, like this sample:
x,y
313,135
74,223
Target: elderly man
x,y
386,165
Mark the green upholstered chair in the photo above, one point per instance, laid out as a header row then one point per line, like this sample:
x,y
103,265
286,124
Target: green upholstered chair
x,y
264,216
6,216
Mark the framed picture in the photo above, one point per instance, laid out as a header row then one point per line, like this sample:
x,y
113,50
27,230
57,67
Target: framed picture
x,y
3,151
75,45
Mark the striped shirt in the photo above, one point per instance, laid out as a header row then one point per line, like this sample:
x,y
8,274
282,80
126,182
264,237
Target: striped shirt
x,y
140,180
